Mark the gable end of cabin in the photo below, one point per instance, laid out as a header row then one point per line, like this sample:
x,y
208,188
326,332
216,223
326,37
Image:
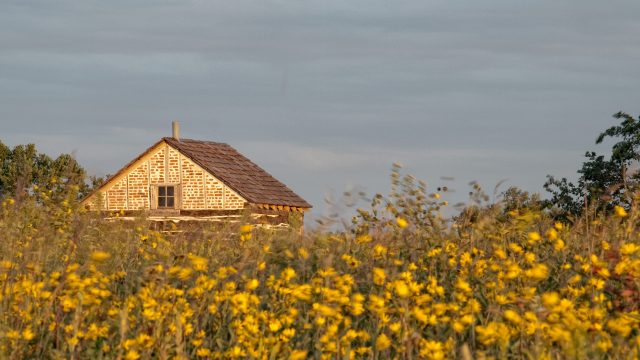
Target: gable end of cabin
x,y
165,180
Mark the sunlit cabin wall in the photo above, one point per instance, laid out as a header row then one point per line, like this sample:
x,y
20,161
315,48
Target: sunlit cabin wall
x,y
138,187
199,190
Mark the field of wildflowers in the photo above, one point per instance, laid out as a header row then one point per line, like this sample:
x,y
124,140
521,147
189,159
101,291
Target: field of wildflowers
x,y
401,282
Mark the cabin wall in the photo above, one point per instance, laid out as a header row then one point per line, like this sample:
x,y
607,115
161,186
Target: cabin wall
x,y
138,187
232,200
193,194
219,196
156,167
174,160
166,166
117,195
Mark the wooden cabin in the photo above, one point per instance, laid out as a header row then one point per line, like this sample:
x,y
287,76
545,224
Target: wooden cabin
x,y
192,180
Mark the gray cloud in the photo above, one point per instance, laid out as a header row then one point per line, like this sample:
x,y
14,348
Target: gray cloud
x,y
477,90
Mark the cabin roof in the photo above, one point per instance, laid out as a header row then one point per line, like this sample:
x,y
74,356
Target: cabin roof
x,y
238,172
229,166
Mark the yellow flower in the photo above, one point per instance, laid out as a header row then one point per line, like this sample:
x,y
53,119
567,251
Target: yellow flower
x,y
512,316
501,299
432,350
245,232
492,332
402,223
395,327
324,310
434,252
420,315
382,342
203,352
184,274
199,263
628,249
196,342
379,251
620,211
538,272
288,274
132,355
100,256
402,289
73,341
363,239
621,325
302,292
356,305
550,299
458,326
530,258
500,254
298,355
252,284
463,286
303,253
378,276
351,261
515,248
533,237
27,334
604,344
274,325
287,334
240,302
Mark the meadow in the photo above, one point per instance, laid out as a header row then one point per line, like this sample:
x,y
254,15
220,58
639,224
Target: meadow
x,y
402,281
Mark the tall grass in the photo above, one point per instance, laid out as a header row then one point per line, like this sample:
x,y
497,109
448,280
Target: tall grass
x,y
402,282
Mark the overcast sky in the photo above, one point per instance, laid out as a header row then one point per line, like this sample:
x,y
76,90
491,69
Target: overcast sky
x,y
325,95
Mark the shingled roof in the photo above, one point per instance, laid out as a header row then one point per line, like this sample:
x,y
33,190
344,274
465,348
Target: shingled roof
x,y
239,173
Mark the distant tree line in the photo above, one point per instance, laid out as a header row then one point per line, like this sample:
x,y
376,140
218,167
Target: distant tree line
x,y
26,172
604,181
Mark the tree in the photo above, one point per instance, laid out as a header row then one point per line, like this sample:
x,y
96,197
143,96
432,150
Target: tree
x,y
603,183
25,172
517,199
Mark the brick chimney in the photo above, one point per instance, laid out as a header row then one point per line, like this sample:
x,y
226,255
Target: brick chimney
x,y
176,130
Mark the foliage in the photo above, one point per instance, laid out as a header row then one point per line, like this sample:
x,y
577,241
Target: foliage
x,y
26,172
603,183
404,282
515,199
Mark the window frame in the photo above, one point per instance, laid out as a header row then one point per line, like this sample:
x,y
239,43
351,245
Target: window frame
x,y
166,197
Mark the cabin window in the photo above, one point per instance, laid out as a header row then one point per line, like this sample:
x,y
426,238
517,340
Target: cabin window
x,y
166,197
